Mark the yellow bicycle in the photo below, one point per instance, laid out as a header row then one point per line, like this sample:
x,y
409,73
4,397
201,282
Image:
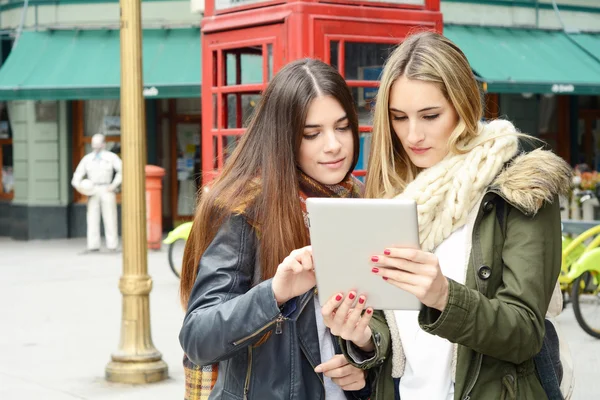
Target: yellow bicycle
x,y
580,277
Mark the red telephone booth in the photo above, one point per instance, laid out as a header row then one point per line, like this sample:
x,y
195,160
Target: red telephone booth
x,y
245,42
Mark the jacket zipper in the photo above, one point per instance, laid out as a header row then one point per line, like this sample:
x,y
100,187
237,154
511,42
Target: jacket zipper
x,y
248,373
475,377
278,331
279,319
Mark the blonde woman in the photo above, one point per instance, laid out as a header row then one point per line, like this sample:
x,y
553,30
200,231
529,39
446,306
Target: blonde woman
x,y
490,233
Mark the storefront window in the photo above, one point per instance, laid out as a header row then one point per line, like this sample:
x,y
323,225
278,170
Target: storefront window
x,y
102,116
535,115
588,132
6,154
91,117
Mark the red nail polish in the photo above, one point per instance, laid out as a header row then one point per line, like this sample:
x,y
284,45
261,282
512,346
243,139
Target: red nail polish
x,y
351,296
369,311
338,297
385,278
374,258
375,270
387,252
361,300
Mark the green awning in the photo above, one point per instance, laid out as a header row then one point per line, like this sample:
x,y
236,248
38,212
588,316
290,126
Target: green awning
x,y
85,64
588,41
512,60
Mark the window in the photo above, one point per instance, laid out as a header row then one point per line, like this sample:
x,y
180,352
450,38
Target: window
x,y
361,63
91,117
6,155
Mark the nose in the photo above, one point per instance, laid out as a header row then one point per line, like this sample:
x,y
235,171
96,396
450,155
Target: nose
x,y
332,143
414,133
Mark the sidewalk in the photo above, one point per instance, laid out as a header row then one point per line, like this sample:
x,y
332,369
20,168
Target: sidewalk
x,y
60,319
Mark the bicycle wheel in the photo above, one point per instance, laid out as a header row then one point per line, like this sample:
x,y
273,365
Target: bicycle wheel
x,y
176,256
586,303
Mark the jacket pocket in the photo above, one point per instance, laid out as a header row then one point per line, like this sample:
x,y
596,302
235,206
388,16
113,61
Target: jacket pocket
x,y
509,387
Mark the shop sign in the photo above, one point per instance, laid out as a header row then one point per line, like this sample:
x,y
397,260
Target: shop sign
x,y
150,92
556,88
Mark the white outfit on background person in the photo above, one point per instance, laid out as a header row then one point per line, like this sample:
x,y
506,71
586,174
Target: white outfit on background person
x,y
104,169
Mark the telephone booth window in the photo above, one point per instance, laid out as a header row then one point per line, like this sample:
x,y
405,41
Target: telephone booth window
x,y
241,69
360,61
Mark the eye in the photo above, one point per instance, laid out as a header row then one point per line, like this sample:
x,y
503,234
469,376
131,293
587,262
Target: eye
x,y
431,117
398,118
310,136
343,128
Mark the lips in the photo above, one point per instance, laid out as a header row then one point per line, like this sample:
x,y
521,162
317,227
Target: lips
x,y
334,164
418,150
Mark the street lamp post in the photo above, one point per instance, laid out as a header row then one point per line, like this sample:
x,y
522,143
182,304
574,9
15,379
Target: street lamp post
x,y
136,360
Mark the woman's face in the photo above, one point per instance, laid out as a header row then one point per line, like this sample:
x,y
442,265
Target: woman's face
x,y
422,119
327,148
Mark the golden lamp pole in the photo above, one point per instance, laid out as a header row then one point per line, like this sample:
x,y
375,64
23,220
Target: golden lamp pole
x,y
136,360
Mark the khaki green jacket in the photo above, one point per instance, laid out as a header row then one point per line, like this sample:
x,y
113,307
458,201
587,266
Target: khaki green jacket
x,y
497,317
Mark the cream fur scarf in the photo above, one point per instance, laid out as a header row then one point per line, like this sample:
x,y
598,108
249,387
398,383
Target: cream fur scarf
x,y
447,193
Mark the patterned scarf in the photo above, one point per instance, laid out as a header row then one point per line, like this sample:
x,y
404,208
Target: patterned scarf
x,y
348,188
199,381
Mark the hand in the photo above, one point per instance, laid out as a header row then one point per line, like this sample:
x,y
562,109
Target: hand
x,y
294,276
415,271
110,189
347,322
346,376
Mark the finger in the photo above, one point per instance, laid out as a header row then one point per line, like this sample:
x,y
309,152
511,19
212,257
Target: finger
x,y
344,308
296,267
347,380
396,263
358,385
328,310
306,261
336,361
299,253
364,321
398,275
414,255
352,318
341,372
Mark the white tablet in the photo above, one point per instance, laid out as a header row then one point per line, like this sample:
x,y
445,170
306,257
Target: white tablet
x,y
346,233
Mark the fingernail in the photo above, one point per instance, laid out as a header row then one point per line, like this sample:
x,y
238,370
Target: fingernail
x,y
338,297
387,252
361,300
385,278
369,311
375,270
375,259
351,296
318,370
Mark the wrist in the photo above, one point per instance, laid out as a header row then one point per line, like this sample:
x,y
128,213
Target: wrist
x,y
366,344
280,299
443,300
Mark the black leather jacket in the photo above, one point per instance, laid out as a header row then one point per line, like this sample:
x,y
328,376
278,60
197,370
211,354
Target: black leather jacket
x,y
263,352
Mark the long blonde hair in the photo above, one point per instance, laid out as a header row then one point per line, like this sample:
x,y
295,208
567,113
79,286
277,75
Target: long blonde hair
x,y
430,57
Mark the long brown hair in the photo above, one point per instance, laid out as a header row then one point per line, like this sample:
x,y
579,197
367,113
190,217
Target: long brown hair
x,y
260,177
